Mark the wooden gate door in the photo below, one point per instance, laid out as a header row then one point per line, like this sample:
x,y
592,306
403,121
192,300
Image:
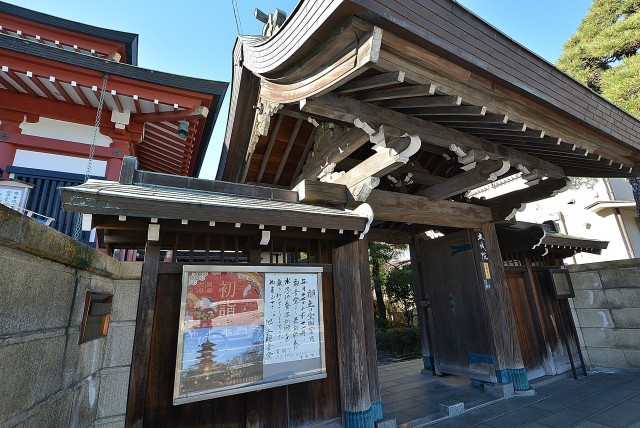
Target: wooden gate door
x,y
457,313
528,322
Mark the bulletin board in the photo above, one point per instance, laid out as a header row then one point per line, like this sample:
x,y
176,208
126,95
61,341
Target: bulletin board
x,y
244,328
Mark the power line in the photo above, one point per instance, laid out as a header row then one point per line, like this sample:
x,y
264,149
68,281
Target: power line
x,y
234,4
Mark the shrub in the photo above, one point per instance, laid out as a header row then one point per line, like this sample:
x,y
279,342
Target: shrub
x,y
400,342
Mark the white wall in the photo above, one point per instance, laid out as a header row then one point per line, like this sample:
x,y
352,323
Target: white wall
x,y
63,130
60,163
578,221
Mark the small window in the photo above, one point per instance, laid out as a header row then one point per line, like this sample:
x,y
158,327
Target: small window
x,y
97,312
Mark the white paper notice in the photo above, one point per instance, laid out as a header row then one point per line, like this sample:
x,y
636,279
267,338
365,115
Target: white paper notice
x,y
291,321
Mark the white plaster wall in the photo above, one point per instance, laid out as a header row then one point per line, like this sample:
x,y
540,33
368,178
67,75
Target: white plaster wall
x,y
577,220
63,130
60,163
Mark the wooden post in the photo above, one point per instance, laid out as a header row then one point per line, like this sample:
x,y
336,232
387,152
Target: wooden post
x,y
422,304
347,276
508,357
137,397
370,332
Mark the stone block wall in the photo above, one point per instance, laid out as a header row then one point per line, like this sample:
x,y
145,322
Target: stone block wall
x,y
46,377
607,313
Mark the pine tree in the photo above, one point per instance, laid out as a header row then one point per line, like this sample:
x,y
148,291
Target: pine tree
x,y
603,54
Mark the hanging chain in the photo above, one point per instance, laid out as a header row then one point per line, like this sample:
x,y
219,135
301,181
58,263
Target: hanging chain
x,y
92,151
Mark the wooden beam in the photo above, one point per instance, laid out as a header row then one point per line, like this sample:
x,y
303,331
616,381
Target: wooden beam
x,y
482,174
348,109
405,208
395,93
378,81
320,192
333,152
198,112
423,102
395,154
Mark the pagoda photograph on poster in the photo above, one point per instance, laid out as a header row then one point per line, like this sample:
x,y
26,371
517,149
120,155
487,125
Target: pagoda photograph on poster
x,y
223,330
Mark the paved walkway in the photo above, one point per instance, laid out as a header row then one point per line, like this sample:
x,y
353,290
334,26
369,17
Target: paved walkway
x,y
408,394
601,400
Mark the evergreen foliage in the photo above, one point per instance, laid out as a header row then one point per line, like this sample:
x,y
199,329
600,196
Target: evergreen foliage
x,y
602,54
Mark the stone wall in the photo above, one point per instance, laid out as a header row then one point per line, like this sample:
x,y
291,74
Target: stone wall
x,y
46,377
607,313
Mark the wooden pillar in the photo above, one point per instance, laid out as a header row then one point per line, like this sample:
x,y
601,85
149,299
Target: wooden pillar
x,y
508,357
137,397
422,304
370,332
347,278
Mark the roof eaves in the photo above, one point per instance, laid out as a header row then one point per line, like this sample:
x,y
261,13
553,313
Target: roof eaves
x,y
129,39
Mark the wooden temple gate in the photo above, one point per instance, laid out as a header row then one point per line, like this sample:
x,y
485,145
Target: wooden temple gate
x,y
373,117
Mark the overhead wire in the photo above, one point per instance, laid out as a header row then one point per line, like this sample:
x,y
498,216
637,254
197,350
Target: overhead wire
x,y
234,4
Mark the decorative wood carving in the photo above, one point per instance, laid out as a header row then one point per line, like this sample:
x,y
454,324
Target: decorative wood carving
x,y
264,110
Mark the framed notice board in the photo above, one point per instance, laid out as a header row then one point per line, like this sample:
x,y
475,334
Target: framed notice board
x,y
245,328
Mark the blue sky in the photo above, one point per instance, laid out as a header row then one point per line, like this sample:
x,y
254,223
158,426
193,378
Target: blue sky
x,y
195,37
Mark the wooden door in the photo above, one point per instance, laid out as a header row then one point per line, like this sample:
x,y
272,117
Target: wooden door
x,y
528,322
457,312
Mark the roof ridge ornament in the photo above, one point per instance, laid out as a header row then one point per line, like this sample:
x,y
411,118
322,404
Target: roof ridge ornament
x,y
272,22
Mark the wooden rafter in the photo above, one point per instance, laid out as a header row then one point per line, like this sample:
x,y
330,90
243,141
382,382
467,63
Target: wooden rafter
x,y
287,150
198,112
482,174
116,100
397,93
267,153
477,126
456,110
423,102
490,118
451,78
348,109
56,84
379,81
80,93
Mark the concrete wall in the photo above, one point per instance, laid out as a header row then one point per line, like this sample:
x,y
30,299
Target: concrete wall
x,y
46,377
607,313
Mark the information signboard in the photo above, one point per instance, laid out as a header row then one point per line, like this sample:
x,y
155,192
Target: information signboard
x,y
244,328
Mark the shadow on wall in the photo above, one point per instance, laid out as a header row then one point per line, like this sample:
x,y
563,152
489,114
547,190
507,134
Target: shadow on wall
x,y
48,378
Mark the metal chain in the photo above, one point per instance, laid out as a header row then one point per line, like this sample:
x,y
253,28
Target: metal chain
x,y
92,150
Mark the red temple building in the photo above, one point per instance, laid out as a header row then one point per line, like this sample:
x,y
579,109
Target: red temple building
x,y
51,79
